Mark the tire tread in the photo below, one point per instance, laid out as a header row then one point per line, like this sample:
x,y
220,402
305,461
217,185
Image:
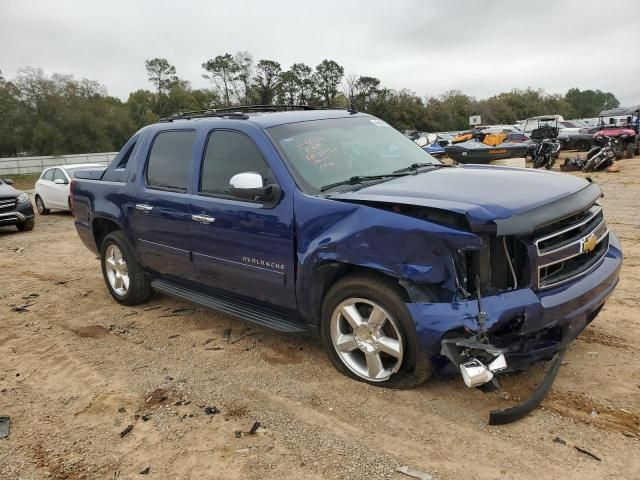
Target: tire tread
x,y
139,285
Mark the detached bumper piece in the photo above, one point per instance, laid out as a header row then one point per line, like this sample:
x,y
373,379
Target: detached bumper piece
x,y
509,415
477,373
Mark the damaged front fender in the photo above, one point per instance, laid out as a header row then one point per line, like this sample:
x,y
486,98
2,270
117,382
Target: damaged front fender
x,y
334,233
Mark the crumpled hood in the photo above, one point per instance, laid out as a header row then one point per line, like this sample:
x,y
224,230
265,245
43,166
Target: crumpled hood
x,y
489,196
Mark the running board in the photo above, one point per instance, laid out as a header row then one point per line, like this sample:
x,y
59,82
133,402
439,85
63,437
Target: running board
x,y
261,316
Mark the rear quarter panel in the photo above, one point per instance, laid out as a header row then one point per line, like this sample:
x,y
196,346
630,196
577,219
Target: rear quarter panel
x,y
98,199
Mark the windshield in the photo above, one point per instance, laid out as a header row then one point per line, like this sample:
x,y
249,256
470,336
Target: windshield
x,y
323,152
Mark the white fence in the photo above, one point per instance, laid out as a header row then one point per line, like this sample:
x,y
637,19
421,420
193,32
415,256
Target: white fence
x,y
13,165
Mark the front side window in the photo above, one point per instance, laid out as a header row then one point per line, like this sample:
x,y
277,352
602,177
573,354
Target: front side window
x,y
169,160
227,154
59,175
322,152
48,175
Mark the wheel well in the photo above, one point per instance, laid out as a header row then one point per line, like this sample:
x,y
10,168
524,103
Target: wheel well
x,y
101,228
327,274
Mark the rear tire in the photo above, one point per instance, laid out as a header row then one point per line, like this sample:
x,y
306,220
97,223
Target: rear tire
x,y
42,210
26,226
123,275
367,331
629,150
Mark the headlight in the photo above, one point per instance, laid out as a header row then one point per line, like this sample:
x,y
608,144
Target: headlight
x,y
23,198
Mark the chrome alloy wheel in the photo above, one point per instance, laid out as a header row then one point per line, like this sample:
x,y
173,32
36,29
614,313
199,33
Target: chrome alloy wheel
x,y
39,205
367,339
117,271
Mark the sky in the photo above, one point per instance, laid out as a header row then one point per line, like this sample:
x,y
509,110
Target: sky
x,y
480,48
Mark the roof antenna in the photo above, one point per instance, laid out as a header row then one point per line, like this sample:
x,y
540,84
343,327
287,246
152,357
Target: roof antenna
x,y
352,109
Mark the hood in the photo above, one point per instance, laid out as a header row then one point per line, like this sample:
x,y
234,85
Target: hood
x,y
8,191
616,131
502,200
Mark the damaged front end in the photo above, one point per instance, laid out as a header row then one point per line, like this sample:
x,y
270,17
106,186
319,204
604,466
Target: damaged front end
x,y
487,297
522,299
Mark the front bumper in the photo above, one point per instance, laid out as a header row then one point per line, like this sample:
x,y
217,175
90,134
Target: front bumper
x,y
530,325
22,213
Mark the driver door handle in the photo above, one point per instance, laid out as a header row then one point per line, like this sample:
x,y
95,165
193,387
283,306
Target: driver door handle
x,y
143,207
203,219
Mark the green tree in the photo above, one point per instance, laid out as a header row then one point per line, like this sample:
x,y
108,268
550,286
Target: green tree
x,y
327,77
289,90
267,80
244,76
222,71
141,105
304,75
11,119
365,89
589,103
161,73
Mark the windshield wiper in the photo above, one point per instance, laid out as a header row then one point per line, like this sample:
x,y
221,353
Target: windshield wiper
x,y
359,179
415,166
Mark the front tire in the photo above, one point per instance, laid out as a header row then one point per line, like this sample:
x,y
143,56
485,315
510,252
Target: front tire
x,y
123,275
367,331
26,226
42,210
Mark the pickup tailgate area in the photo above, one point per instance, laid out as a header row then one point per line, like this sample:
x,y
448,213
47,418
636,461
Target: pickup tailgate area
x,y
90,194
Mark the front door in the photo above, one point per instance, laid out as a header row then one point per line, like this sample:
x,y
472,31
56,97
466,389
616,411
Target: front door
x,y
159,212
54,195
241,246
59,190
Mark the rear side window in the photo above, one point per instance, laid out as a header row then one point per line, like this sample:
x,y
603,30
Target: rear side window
x,y
168,166
227,154
122,164
48,175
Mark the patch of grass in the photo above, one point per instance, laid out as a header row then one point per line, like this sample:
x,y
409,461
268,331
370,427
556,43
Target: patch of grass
x,y
23,181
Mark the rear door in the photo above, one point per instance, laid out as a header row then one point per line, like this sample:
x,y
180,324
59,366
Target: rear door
x,y
245,247
159,217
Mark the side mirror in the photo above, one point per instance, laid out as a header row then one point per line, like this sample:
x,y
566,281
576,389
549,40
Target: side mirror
x,y
250,186
60,181
8,181
422,142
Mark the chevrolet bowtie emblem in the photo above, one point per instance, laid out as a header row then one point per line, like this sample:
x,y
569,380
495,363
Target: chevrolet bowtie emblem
x,y
589,243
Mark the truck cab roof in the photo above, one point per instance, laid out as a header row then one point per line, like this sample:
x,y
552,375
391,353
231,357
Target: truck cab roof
x,y
263,119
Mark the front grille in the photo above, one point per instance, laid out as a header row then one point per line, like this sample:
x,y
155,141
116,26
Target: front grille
x,y
7,204
575,247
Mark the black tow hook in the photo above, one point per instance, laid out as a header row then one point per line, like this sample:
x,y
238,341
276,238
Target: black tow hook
x,y
508,415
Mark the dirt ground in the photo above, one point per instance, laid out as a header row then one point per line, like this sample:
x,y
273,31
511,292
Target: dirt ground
x,y
77,370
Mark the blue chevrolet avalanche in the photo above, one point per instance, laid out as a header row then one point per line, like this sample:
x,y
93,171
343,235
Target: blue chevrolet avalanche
x,y
331,222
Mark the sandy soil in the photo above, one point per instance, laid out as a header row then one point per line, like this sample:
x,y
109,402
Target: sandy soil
x,y
76,369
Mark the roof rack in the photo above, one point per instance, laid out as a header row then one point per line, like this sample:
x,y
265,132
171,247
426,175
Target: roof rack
x,y
240,112
203,114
